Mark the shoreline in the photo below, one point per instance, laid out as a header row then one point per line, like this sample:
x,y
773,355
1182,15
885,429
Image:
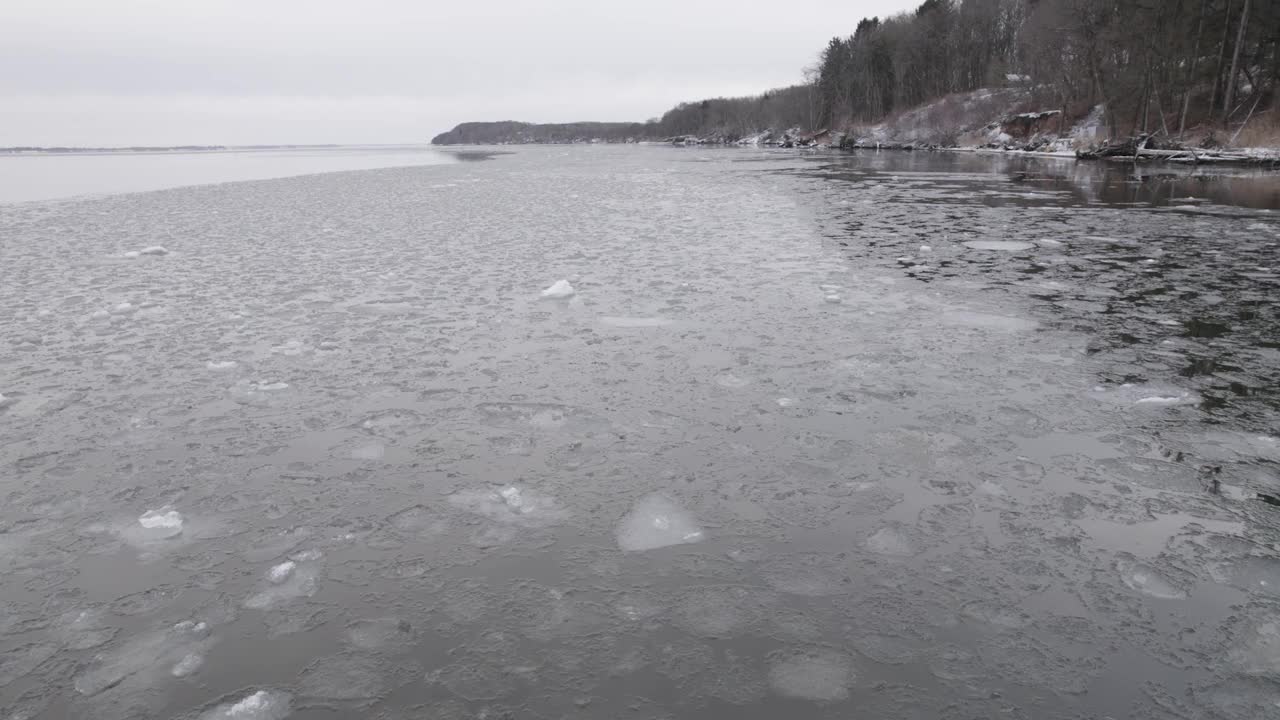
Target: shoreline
x,y
1261,158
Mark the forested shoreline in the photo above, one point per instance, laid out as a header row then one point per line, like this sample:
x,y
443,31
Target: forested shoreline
x,y
1203,71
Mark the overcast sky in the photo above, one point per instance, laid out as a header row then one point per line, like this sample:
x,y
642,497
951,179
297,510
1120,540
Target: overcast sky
x,y
160,72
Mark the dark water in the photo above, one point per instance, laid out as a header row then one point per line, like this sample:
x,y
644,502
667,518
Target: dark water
x,y
909,436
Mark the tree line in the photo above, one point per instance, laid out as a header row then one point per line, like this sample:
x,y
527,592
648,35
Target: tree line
x,y
721,118
1155,65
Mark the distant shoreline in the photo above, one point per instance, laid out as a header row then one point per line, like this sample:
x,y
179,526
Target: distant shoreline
x,y
136,149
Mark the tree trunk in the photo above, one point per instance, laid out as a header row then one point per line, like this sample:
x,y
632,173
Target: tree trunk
x,y
1222,60
1191,74
1235,65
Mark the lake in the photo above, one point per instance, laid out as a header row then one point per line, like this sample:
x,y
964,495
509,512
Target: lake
x,y
27,177
816,435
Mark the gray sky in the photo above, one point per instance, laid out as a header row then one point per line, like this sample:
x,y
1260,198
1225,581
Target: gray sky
x,y
156,72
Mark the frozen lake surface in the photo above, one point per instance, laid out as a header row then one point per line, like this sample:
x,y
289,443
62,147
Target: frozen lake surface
x,y
819,436
27,177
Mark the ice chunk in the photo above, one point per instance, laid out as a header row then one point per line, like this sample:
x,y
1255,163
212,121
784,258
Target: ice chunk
x,y
281,572
261,705
512,497
221,365
1150,396
833,298
1005,245
1163,399
163,518
510,504
926,248
560,289
655,522
301,582
153,250
188,665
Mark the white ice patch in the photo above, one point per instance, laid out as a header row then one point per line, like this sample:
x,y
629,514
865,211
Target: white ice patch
x,y
300,583
281,572
188,665
261,705
292,348
511,504
1163,399
833,298
559,289
153,250
221,365
164,518
634,322
926,248
655,522
1144,395
1003,245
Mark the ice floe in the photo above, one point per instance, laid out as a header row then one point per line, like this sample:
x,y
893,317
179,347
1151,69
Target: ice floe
x,y
279,573
655,522
164,519
510,504
559,289
1004,245
817,674
260,705
298,582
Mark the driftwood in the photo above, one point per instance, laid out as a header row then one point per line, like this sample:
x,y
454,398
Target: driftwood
x,y
1145,148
